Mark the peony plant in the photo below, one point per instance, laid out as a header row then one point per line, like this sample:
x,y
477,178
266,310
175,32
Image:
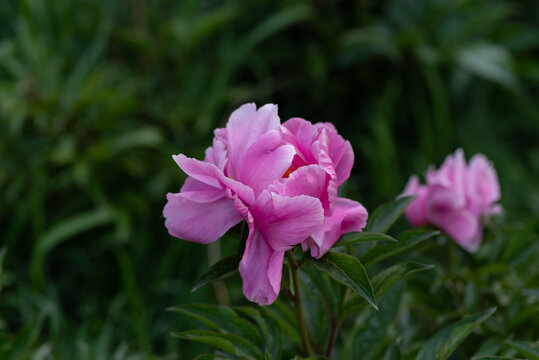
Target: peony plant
x,y
455,198
282,181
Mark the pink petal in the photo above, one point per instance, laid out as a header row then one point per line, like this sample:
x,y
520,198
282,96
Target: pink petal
x,y
416,211
320,150
287,221
446,211
344,166
265,161
464,228
301,134
217,154
261,270
201,222
339,151
348,215
198,191
311,180
441,201
245,126
452,174
483,187
209,174
202,171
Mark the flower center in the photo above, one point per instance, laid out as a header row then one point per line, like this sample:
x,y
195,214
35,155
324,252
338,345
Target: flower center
x,y
290,170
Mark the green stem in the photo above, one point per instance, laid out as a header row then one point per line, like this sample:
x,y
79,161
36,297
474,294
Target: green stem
x,y
335,324
298,304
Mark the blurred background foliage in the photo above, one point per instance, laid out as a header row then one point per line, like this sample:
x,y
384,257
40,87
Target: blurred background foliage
x,y
95,96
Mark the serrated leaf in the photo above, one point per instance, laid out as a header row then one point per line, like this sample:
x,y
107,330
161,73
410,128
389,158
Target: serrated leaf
x,y
407,240
221,318
445,341
385,215
347,270
355,238
527,349
218,271
230,343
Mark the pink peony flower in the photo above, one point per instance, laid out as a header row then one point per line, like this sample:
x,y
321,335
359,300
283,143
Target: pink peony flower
x,y
321,145
282,182
455,197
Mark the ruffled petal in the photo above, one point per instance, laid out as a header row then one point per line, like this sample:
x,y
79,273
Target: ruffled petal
x,y
441,201
311,180
198,191
416,211
261,270
217,154
463,227
348,215
265,161
209,174
301,134
287,221
483,188
339,150
321,151
446,211
244,127
452,174
200,222
344,166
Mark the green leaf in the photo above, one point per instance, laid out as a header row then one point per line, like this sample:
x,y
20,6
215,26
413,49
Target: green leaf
x,y
385,215
383,281
496,358
527,349
393,353
285,319
221,318
358,237
369,336
407,240
347,270
65,230
387,277
445,341
230,343
269,330
489,61
218,271
211,357
271,25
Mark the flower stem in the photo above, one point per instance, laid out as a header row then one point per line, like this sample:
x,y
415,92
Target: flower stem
x,y
335,324
298,304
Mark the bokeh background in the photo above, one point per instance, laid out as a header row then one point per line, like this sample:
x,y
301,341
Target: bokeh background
x,y
95,97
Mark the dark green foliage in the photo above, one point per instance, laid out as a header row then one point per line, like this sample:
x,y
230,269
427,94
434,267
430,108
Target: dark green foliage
x,y
442,345
95,96
218,271
347,270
